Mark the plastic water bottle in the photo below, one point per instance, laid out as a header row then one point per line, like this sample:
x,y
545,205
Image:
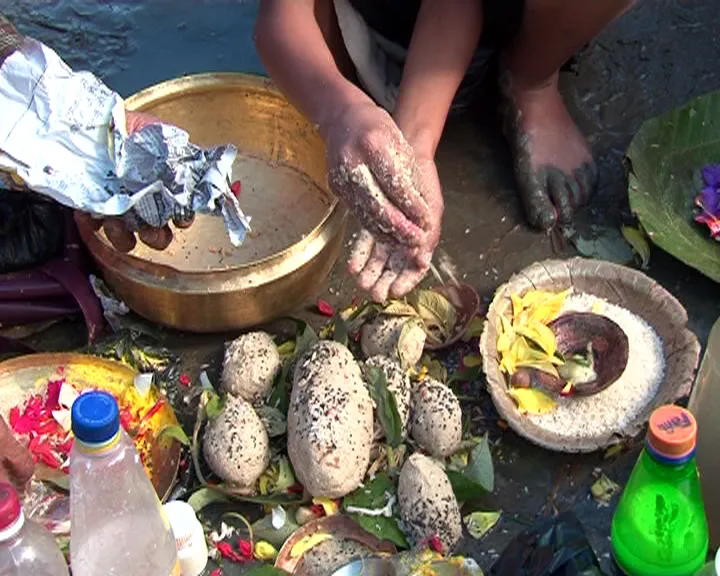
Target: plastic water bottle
x,y
705,406
659,527
117,526
26,548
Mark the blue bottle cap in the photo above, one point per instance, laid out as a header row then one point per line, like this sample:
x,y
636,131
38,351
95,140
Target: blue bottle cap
x,y
95,417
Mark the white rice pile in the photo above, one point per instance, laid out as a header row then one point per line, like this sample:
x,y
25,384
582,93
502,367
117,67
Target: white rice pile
x,y
617,405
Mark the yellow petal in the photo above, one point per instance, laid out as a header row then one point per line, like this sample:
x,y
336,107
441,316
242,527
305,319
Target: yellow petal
x,y
329,506
265,551
305,544
517,305
532,400
541,335
542,366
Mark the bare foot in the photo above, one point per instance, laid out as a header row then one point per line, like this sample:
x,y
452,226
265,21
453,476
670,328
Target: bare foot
x,y
554,167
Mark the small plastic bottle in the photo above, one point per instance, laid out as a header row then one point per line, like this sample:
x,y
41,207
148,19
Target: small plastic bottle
x,y
117,525
659,527
26,548
705,406
190,541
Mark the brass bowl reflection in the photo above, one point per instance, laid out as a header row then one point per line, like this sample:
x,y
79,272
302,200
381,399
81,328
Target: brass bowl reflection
x,y
200,283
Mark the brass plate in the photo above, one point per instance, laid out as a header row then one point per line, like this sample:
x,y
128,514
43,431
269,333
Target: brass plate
x,y
201,283
28,374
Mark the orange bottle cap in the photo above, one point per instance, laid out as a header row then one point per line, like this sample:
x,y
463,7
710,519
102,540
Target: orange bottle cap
x,y
672,432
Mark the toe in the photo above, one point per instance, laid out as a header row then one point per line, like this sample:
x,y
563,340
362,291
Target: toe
x,y
587,178
564,191
539,209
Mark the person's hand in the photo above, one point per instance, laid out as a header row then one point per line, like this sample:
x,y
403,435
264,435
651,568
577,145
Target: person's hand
x,y
16,463
116,230
385,271
373,169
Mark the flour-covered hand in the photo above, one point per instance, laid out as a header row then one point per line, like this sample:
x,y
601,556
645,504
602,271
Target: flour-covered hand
x,y
394,271
373,169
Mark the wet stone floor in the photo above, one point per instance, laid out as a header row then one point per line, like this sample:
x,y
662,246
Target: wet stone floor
x,y
661,54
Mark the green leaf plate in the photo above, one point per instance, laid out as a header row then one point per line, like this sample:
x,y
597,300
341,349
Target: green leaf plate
x,y
665,157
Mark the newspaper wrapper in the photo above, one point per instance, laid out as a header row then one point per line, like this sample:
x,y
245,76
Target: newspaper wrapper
x,y
63,134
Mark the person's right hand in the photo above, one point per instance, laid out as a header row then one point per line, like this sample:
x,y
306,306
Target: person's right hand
x,y
16,462
373,169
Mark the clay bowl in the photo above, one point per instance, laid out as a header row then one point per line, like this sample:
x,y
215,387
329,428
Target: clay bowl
x,y
201,283
618,285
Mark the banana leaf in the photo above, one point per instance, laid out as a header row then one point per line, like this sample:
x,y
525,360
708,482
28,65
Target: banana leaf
x,y
665,157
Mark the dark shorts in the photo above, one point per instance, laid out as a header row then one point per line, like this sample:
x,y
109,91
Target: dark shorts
x,y
377,34
395,19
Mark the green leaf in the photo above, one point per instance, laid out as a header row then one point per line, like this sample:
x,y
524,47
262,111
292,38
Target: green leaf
x,y
466,375
472,361
280,396
340,333
264,530
204,497
176,432
373,496
56,477
286,348
604,244
214,406
273,420
265,570
475,330
480,523
637,239
387,411
478,477
664,157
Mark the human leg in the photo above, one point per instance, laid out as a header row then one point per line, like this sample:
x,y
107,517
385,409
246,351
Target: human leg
x,y
554,168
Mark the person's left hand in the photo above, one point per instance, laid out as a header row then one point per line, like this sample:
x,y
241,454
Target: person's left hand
x,y
394,271
116,229
16,462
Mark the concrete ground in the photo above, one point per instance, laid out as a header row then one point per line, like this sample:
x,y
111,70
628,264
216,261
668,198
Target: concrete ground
x,y
660,55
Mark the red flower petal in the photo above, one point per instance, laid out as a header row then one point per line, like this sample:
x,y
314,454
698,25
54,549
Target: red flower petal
x,y
325,308
435,544
226,551
184,380
317,510
216,572
14,417
246,549
296,488
236,187
52,402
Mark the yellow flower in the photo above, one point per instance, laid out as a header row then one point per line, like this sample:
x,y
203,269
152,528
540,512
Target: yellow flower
x,y
329,506
265,551
305,544
532,400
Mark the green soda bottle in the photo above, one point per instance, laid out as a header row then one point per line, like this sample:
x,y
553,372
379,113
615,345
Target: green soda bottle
x,y
659,527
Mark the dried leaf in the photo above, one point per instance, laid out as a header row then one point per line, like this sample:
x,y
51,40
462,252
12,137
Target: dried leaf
x,y
480,523
532,400
402,348
176,432
399,308
437,313
603,490
637,239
